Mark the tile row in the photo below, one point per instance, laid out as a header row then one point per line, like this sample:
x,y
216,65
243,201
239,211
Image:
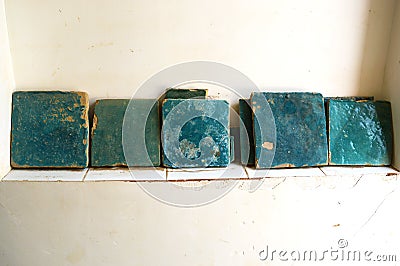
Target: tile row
x,y
314,131
186,129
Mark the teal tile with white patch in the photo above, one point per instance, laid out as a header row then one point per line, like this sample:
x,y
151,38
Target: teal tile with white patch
x,y
289,129
195,133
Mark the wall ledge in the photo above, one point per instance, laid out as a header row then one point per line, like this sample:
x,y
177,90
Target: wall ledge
x,y
233,172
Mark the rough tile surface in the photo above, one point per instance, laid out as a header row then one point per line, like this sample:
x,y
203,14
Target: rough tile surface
x,y
247,149
173,93
49,129
350,98
141,133
106,145
300,137
195,133
360,133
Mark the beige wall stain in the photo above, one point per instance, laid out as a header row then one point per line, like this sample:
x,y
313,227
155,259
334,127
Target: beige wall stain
x,y
76,255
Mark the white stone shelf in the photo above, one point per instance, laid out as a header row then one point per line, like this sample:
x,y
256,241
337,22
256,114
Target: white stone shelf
x,y
338,170
285,172
46,175
234,171
124,174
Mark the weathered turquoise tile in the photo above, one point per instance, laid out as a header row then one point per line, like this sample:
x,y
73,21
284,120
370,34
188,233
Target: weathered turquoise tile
x,y
106,148
173,93
349,98
300,137
195,133
49,129
140,133
247,149
360,133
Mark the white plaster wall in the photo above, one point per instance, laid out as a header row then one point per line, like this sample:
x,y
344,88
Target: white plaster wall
x,y
6,88
392,81
109,48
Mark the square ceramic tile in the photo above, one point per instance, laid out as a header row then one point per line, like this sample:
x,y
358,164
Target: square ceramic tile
x,y
45,175
287,172
289,129
348,170
124,174
195,133
106,147
49,129
233,171
360,133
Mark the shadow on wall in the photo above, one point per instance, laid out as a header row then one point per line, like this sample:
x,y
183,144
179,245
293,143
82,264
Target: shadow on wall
x,y
377,26
392,82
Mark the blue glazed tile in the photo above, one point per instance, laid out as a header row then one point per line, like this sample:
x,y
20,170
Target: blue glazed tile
x,y
195,133
349,98
174,93
300,138
360,133
247,149
49,129
141,133
106,145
